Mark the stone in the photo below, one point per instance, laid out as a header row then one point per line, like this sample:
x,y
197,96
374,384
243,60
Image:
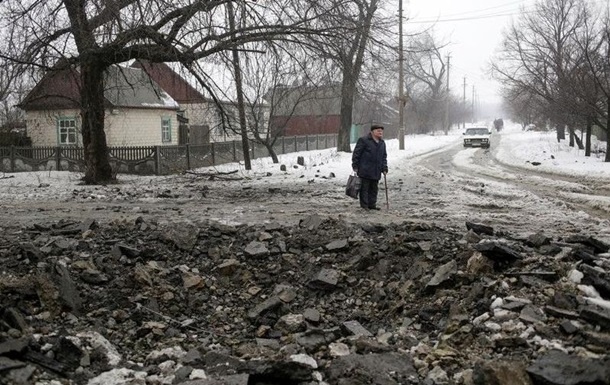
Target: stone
x,y
559,368
596,316
268,343
15,319
183,236
336,245
560,313
500,373
443,274
256,249
377,368
20,376
354,328
121,249
538,240
311,222
595,244
479,228
479,264
338,349
596,278
502,255
325,279
69,295
304,359
532,314
568,327
228,267
311,315
290,323
265,306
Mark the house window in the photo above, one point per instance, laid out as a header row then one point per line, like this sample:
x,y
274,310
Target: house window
x,y
166,130
66,131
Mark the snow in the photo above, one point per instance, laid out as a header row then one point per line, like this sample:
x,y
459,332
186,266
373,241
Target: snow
x,y
537,152
521,149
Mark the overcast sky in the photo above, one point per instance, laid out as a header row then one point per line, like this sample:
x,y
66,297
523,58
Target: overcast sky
x,y
473,30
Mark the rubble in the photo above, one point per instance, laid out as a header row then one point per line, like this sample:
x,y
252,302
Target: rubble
x,y
321,302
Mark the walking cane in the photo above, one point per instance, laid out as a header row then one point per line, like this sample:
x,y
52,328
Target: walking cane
x,y
387,201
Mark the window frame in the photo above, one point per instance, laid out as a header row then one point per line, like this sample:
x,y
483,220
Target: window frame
x,y
166,129
73,130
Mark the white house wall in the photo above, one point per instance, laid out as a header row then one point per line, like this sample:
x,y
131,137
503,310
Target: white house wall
x,y
123,127
206,114
139,127
41,126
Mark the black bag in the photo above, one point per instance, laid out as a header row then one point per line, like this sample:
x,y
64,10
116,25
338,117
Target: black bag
x,y
353,186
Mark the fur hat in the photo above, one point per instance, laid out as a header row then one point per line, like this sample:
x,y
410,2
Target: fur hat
x,y
376,126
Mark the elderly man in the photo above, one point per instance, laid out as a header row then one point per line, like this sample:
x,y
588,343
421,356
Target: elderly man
x,y
369,160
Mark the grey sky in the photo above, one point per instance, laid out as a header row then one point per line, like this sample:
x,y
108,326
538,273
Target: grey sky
x,y
473,31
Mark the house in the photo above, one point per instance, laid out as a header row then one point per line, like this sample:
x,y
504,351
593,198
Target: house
x,y
138,112
311,110
203,114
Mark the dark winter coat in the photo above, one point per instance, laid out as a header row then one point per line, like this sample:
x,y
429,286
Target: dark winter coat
x,y
370,158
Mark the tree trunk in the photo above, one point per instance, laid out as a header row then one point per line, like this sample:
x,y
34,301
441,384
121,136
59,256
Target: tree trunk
x,y
97,160
561,132
240,93
572,136
576,140
607,159
588,137
271,151
347,106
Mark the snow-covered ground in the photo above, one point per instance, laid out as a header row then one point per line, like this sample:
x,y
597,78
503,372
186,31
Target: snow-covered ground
x,y
523,149
516,148
525,177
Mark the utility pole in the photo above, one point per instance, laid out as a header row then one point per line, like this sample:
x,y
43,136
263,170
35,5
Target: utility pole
x,y
401,80
447,123
240,92
464,105
472,103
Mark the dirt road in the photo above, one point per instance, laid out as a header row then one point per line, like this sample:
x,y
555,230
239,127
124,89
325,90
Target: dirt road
x,y
447,187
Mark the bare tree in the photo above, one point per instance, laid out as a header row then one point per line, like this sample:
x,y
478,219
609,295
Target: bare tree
x,y
524,107
539,56
426,71
346,48
96,34
594,79
274,88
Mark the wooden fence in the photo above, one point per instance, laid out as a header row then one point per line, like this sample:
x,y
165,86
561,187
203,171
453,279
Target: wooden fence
x,y
150,160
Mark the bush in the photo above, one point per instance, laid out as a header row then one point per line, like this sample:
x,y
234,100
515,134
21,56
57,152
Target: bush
x,y
14,139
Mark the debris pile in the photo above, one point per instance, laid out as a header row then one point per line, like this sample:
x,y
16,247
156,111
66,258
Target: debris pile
x,y
321,302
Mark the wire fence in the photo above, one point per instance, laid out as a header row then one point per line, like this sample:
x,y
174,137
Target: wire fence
x,y
150,160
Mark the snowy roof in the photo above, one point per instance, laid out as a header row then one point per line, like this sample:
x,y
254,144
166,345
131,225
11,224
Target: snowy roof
x,y
124,87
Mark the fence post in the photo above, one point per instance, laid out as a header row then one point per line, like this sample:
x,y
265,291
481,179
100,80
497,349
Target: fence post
x,y
234,151
295,143
306,142
58,158
213,150
12,158
158,160
188,157
283,144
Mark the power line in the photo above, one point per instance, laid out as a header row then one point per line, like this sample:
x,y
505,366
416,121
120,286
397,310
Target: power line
x,y
486,9
490,16
476,14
